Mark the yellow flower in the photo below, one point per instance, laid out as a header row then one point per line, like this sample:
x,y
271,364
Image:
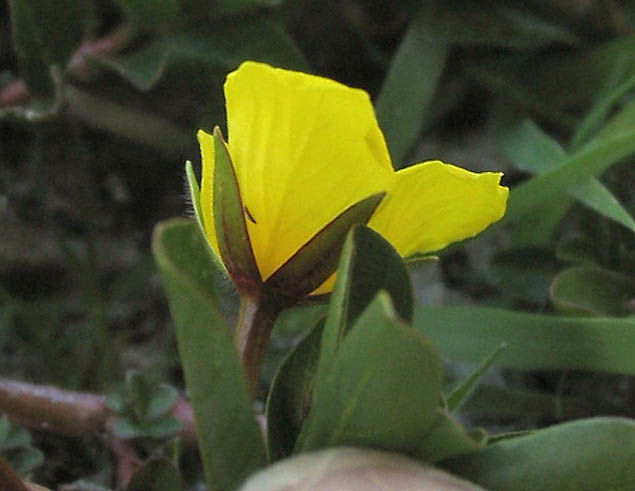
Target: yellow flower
x,y
305,148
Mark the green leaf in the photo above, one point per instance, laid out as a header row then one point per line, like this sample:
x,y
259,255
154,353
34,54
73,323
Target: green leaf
x,y
161,400
222,46
593,290
622,120
290,394
237,6
381,391
601,107
125,429
27,460
147,13
229,437
446,438
317,259
524,273
501,26
45,33
462,392
163,427
156,474
577,249
410,85
368,264
597,197
12,436
532,150
574,170
534,342
586,454
229,219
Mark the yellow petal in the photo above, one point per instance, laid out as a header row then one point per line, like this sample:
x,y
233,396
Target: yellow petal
x,y
206,142
433,204
304,148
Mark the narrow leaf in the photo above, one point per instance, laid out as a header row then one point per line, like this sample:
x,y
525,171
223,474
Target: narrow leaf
x,y
532,150
593,290
229,437
410,85
229,219
586,163
534,342
316,260
462,392
601,108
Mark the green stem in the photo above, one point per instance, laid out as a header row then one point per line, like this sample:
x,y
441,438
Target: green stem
x,y
256,317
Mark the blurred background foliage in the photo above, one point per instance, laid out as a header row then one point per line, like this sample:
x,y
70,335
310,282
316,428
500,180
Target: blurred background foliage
x,y
99,104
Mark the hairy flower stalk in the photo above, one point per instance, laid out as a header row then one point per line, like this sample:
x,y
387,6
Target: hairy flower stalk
x,y
305,161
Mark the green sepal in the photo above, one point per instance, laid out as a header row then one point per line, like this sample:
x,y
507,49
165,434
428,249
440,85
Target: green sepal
x,y
195,193
229,220
316,260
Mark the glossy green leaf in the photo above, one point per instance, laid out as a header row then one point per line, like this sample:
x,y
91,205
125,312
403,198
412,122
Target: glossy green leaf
x,y
534,342
229,219
290,394
229,437
316,260
588,454
593,290
382,390
146,13
410,85
446,438
221,46
45,33
367,265
156,474
462,392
